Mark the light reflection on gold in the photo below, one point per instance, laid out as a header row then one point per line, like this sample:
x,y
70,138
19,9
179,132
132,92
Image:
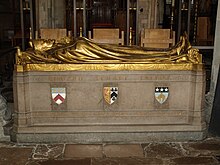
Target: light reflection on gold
x,y
82,54
106,67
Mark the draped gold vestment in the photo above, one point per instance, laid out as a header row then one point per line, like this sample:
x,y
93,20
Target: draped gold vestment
x,y
84,51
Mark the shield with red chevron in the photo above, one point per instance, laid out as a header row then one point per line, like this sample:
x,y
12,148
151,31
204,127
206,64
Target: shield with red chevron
x,y
58,95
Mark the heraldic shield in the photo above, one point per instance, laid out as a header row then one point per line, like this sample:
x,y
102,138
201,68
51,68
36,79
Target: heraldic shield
x,y
58,95
161,94
110,94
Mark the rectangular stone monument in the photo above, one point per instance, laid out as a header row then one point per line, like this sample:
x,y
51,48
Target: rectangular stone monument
x,y
95,103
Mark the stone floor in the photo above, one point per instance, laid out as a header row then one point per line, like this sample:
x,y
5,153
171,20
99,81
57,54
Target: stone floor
x,y
206,152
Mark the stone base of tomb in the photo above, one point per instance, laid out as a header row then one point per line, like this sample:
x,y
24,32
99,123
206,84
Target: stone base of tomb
x,y
84,116
109,137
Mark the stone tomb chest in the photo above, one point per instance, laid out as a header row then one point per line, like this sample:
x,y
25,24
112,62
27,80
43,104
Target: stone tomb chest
x,y
97,102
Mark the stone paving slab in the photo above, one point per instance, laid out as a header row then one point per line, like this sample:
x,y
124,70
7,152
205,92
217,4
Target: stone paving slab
x,y
203,148
194,161
101,161
45,151
163,150
123,150
215,147
66,162
205,152
83,151
127,161
14,156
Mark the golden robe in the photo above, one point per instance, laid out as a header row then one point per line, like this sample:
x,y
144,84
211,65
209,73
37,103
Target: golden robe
x,y
83,50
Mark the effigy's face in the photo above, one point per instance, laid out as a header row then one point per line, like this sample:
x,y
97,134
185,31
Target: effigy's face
x,y
43,45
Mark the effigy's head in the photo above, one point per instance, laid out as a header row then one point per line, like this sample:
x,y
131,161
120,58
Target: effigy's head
x,y
46,44
42,44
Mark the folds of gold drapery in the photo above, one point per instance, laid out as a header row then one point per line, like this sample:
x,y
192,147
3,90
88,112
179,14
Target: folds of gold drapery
x,y
82,50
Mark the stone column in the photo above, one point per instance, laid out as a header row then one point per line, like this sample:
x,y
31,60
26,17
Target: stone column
x,y
51,14
3,108
144,7
215,68
149,14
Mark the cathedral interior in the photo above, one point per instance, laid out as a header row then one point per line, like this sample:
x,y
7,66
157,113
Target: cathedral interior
x,y
124,113
23,20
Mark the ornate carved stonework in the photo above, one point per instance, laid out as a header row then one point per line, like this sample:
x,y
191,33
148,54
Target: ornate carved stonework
x,y
3,109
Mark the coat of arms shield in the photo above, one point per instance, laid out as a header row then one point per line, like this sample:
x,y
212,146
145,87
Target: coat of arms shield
x,y
58,95
161,94
110,94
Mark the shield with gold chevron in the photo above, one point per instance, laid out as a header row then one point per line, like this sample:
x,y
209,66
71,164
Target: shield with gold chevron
x,y
58,95
110,94
161,94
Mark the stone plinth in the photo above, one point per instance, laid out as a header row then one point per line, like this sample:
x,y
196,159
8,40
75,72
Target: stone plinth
x,y
85,117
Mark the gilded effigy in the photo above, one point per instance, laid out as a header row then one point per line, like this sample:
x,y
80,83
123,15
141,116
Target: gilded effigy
x,y
76,90
84,51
